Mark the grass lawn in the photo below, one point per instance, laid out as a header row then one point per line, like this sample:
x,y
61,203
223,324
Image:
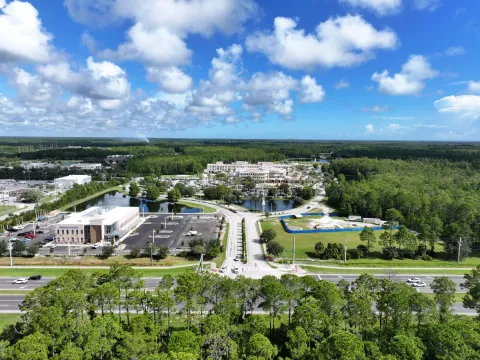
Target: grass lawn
x,y
208,209
305,243
115,188
221,258
302,223
7,209
49,272
8,319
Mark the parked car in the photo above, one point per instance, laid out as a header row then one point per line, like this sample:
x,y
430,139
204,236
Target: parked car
x,y
20,281
96,246
24,233
413,280
236,258
223,269
35,277
30,236
419,284
40,232
49,238
12,229
236,270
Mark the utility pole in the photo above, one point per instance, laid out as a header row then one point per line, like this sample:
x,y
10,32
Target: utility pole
x,y
151,247
293,256
345,250
459,246
10,250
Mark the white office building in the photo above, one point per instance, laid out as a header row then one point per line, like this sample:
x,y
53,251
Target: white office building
x,y
67,182
96,225
260,172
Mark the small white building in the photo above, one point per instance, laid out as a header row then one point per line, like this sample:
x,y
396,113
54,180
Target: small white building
x,y
86,166
67,182
96,224
354,218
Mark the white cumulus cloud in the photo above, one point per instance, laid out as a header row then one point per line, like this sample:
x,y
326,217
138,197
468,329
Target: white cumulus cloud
x,y
310,91
158,36
103,81
410,81
381,7
464,106
171,79
22,36
338,42
369,128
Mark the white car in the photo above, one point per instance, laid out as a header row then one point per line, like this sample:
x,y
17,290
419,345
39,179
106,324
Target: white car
x,y
20,281
223,269
419,284
96,246
413,280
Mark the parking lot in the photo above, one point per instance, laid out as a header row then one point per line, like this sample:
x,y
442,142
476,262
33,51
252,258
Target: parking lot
x,y
172,232
43,229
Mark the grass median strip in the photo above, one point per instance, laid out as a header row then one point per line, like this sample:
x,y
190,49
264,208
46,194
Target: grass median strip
x,y
207,209
346,270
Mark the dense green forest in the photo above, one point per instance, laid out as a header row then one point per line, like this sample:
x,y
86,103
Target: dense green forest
x,y
438,199
205,150
202,316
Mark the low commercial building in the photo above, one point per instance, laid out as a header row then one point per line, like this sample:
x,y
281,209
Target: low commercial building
x,y
96,225
86,166
67,182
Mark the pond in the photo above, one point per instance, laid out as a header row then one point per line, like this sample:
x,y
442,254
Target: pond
x,y
270,205
118,199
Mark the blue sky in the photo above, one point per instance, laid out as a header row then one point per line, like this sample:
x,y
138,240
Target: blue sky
x,y
306,69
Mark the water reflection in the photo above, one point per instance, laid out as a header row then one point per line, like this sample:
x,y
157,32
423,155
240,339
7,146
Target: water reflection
x,y
270,205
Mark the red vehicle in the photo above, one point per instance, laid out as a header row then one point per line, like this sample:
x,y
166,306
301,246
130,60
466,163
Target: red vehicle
x,y
30,236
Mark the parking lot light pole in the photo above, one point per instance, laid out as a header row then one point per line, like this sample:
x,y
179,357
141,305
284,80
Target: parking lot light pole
x,y
10,250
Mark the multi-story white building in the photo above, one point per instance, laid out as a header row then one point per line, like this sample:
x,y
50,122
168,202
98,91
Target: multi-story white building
x,y
260,172
67,182
96,225
86,166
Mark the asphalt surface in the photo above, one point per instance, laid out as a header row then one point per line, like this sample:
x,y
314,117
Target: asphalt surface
x,y
174,230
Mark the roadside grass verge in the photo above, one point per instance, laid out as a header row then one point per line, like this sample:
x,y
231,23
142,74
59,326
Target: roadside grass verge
x,y
53,260
208,209
8,319
56,272
73,203
324,270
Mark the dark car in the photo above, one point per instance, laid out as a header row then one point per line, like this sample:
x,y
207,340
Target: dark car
x,y
49,238
35,277
40,232
12,230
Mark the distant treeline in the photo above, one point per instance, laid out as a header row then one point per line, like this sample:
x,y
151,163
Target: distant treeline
x,y
44,148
